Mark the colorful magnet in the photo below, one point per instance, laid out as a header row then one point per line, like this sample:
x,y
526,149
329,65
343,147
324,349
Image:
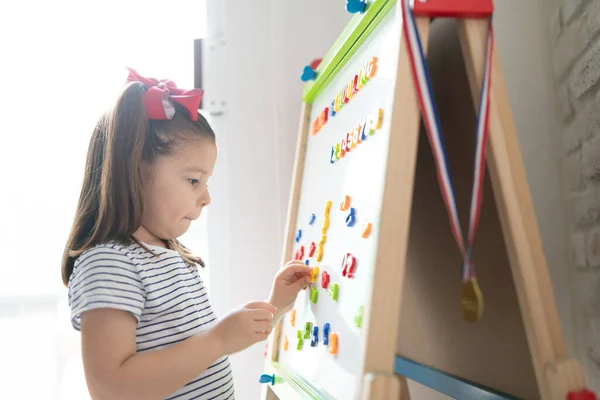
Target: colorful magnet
x,y
326,328
293,317
298,235
308,74
324,279
358,318
348,265
345,204
359,134
307,328
286,343
319,255
313,274
333,343
312,219
325,225
314,295
351,218
306,262
315,63
334,290
300,344
315,337
366,230
301,252
312,249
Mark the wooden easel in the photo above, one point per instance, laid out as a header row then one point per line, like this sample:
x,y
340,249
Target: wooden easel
x,y
556,374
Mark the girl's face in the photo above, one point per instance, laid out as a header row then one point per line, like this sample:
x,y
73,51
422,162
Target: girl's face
x,y
176,190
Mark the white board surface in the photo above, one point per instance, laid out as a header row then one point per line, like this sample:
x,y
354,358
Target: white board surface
x,y
359,175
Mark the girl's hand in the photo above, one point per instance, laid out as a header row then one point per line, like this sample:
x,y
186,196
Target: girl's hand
x,y
244,326
295,276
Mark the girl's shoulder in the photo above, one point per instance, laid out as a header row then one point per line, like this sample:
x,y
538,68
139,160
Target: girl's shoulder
x,y
110,250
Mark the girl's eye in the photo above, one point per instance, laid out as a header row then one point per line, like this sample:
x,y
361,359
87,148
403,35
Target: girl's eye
x,y
194,181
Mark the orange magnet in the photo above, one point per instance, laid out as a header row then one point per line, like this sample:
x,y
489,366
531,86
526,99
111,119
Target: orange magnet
x,y
333,343
345,204
366,230
286,343
313,274
293,317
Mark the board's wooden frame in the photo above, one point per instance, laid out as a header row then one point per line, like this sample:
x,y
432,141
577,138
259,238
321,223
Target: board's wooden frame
x,y
556,374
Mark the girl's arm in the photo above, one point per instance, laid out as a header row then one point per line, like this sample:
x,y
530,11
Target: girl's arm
x,y
114,370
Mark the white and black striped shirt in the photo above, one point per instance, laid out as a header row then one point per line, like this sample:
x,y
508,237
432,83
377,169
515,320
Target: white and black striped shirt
x,y
164,294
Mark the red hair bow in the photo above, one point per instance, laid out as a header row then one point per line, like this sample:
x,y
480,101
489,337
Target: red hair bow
x,y
161,93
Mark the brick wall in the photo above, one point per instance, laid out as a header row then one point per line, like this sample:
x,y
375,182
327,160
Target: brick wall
x,y
574,34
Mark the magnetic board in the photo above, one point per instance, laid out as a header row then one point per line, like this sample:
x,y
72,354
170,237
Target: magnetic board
x,y
359,174
366,210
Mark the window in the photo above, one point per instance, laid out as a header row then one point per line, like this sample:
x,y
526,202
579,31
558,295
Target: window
x,y
63,63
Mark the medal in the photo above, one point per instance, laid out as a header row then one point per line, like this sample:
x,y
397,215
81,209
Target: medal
x,y
471,298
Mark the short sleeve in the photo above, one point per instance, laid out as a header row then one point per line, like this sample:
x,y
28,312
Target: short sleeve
x,y
105,277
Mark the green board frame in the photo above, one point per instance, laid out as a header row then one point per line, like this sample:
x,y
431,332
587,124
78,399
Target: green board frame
x,y
356,32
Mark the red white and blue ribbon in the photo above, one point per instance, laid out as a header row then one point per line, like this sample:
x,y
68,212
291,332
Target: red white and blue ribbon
x,y
430,117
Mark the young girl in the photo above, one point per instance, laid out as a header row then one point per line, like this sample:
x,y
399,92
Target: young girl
x,y
147,327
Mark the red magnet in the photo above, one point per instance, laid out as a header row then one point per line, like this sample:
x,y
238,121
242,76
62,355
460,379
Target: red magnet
x,y
315,63
348,265
325,279
301,252
313,248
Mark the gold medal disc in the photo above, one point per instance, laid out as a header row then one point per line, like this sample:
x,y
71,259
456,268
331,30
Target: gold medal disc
x,y
471,300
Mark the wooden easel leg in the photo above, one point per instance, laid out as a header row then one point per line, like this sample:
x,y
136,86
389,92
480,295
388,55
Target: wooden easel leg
x,y
385,386
517,216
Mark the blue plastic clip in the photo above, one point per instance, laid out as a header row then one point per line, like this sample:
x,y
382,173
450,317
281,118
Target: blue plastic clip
x,y
308,74
355,6
326,328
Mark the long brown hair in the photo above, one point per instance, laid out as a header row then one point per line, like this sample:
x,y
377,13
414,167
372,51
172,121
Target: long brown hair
x,y
111,202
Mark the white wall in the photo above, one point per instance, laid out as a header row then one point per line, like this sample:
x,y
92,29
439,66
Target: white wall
x,y
524,50
266,44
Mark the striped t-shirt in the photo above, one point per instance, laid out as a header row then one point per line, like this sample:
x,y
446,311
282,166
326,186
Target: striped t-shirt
x,y
164,294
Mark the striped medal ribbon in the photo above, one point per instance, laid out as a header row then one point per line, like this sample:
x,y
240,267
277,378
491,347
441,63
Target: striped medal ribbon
x,y
471,298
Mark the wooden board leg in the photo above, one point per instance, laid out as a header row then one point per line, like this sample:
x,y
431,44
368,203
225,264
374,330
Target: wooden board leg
x,y
384,386
564,376
517,217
